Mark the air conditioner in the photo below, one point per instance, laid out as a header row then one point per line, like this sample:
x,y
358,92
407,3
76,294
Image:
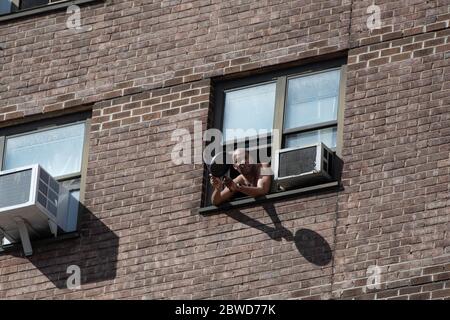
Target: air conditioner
x,y
32,205
304,166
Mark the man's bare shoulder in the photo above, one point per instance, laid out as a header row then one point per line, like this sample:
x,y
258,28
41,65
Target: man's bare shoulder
x,y
266,170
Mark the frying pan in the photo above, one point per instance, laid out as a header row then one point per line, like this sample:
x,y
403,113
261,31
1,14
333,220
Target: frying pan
x,y
217,168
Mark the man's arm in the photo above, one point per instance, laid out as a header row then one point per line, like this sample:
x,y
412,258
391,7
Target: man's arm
x,y
218,197
260,190
263,186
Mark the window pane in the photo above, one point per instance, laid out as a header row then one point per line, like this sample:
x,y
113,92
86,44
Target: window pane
x,y
312,99
28,4
5,6
327,136
59,151
247,110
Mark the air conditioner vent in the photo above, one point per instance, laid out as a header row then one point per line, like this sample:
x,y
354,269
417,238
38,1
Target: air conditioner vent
x,y
42,199
15,188
48,192
297,161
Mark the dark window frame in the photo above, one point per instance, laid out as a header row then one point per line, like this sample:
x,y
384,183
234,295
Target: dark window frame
x,y
43,9
281,78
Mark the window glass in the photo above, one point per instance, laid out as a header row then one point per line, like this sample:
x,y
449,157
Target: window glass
x,y
312,99
28,4
327,136
5,6
59,151
249,111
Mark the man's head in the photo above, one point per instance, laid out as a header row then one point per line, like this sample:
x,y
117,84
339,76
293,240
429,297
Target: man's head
x,y
243,162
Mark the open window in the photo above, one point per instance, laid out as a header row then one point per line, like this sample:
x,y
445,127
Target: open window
x,y
50,156
299,110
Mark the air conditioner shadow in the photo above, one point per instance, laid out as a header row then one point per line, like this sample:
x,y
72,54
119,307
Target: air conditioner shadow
x,y
94,249
311,245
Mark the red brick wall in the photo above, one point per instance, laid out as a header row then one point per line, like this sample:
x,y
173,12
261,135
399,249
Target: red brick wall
x,y
145,69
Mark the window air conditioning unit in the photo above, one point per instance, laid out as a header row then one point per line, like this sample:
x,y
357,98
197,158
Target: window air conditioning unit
x,y
32,205
304,166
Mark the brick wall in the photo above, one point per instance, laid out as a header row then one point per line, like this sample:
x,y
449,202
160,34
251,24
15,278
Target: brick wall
x,y
150,44
394,212
146,68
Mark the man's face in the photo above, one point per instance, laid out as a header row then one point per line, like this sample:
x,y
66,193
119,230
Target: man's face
x,y
242,162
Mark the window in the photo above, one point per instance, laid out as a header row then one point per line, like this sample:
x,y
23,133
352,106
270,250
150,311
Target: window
x,y
9,6
311,109
59,148
10,9
303,105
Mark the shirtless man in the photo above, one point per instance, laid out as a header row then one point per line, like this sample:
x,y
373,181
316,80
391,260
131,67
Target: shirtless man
x,y
254,179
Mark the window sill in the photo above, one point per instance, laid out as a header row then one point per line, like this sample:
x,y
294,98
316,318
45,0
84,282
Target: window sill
x,y
334,186
43,9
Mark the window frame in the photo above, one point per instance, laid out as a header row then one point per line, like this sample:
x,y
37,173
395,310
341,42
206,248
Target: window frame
x,y
240,88
281,78
44,8
319,125
77,179
281,105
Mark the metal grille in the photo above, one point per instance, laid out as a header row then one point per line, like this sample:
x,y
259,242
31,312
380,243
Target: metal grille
x,y
48,192
297,161
15,188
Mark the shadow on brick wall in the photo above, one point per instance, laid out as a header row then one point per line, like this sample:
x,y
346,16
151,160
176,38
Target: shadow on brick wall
x,y
94,249
311,245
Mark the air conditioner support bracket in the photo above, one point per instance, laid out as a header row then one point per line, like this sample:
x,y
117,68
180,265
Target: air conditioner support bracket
x,y
24,237
53,227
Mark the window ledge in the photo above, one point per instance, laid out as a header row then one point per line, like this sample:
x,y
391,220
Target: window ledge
x,y
270,197
46,8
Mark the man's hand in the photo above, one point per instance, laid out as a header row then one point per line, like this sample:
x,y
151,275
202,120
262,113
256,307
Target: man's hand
x,y
230,184
216,182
